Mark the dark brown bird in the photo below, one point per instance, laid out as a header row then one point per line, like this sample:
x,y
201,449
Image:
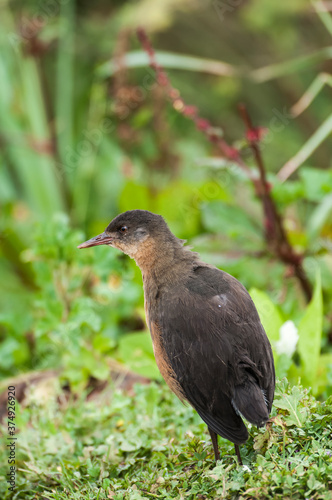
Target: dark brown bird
x,y
208,341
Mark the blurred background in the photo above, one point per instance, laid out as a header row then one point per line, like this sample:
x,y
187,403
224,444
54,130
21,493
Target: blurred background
x,y
87,132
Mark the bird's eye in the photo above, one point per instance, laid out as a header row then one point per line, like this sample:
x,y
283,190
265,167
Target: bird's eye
x,y
123,229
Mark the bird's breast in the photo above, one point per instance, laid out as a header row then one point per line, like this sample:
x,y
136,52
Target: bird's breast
x,y
163,362
152,312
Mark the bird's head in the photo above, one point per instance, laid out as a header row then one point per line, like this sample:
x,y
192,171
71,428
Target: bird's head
x,y
136,233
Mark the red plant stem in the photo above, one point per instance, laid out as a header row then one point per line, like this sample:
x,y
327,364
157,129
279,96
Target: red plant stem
x,y
273,226
275,234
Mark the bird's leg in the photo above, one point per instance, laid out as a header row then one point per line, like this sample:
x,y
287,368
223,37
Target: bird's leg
x,y
214,438
238,454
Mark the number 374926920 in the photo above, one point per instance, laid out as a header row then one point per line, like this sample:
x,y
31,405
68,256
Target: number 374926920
x,y
11,410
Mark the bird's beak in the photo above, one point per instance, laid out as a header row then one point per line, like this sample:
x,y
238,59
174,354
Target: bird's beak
x,y
101,239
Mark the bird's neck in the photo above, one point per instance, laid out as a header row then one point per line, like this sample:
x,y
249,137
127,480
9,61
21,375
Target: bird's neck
x,y
165,262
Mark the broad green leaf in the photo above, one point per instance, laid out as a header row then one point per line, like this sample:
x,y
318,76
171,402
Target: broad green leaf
x,y
317,183
100,370
324,372
103,343
268,313
297,415
310,334
283,363
136,352
84,364
288,192
83,314
319,217
272,321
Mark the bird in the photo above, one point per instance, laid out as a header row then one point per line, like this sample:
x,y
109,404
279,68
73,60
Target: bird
x,y
209,343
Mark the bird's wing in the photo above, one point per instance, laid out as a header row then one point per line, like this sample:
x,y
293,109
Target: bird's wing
x,y
218,351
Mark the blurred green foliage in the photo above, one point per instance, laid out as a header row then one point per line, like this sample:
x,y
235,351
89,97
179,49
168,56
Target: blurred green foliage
x,y
81,142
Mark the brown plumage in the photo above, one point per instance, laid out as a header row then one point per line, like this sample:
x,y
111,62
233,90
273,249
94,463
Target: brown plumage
x,y
209,343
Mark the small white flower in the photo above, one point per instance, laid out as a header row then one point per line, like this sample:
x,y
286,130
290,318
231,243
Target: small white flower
x,y
288,339
246,468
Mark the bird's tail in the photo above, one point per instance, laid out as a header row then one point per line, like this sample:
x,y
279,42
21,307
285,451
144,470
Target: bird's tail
x,y
250,401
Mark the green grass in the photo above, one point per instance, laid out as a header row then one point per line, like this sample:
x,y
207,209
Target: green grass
x,y
151,446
